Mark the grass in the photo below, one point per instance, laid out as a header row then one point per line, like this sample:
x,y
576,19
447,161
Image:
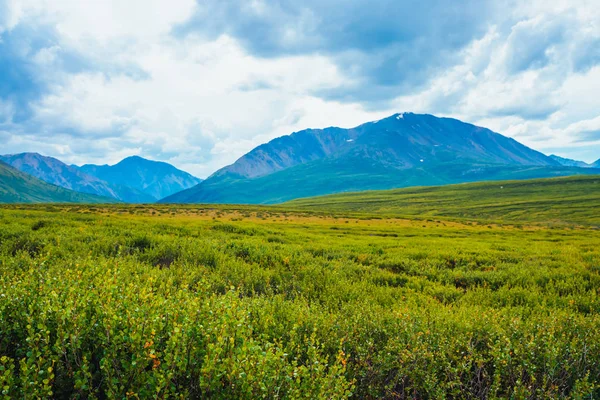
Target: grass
x,y
117,301
571,200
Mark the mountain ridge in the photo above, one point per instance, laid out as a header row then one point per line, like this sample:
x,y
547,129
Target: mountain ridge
x,y
52,170
18,187
568,162
154,178
405,149
282,152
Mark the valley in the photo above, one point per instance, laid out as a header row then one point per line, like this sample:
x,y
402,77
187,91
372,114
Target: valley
x,y
394,294
300,200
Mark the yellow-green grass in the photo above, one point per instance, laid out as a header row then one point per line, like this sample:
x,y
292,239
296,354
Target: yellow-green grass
x,y
144,301
571,200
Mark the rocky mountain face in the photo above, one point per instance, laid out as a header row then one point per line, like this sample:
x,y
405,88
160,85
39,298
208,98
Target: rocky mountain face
x,y
567,162
402,140
402,150
153,178
55,172
19,187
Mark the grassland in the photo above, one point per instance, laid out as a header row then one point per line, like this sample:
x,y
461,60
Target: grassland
x,y
158,302
571,200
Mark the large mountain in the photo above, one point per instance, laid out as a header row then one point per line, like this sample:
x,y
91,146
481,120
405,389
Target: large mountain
x,y
56,172
19,187
596,164
154,178
567,162
402,150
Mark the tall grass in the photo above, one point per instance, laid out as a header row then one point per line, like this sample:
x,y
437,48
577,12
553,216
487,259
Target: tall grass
x,y
108,303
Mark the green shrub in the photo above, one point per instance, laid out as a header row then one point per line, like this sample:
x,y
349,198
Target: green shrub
x,y
140,306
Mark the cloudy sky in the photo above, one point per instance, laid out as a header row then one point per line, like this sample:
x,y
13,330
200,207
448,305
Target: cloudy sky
x,y
199,83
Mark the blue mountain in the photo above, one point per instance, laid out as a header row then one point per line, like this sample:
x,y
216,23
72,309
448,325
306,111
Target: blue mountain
x,y
153,178
402,150
18,187
55,172
567,162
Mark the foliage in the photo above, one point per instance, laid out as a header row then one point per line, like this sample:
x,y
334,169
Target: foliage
x,y
571,200
150,302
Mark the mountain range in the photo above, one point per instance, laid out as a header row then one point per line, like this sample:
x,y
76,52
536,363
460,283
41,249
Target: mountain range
x,y
154,178
133,180
402,150
567,162
19,187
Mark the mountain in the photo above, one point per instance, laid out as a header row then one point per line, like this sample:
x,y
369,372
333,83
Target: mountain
x,y
596,164
154,178
19,187
402,150
56,172
567,162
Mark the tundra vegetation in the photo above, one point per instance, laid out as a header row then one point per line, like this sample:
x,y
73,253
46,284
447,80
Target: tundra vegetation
x,y
123,301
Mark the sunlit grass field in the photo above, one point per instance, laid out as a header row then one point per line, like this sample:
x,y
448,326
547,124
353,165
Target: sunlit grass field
x,y
570,200
266,302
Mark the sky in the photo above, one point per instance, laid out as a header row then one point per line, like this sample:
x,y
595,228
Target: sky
x,y
200,83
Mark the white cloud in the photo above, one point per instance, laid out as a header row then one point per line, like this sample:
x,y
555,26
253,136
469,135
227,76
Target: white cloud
x,y
193,81
202,102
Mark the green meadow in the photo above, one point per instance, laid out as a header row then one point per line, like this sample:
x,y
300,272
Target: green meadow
x,y
321,300
570,200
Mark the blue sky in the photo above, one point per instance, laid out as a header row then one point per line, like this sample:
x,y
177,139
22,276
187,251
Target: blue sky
x,y
199,83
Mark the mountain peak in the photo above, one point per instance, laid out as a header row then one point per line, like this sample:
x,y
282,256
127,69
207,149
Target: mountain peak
x,y
394,117
19,187
404,149
567,162
155,178
135,158
54,171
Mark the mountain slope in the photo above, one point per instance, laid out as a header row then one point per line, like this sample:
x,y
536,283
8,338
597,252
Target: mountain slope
x,y
56,172
596,164
154,178
402,150
19,187
402,139
568,200
567,162
341,175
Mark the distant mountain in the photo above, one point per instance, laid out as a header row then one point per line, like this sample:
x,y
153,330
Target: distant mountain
x,y
567,162
19,187
154,178
402,150
56,172
596,164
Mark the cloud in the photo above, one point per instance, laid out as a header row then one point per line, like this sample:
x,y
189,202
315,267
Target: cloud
x,y
531,43
21,75
200,83
382,50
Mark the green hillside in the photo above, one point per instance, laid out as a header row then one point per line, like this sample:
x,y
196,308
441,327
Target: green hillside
x,y
327,176
570,200
18,187
403,150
